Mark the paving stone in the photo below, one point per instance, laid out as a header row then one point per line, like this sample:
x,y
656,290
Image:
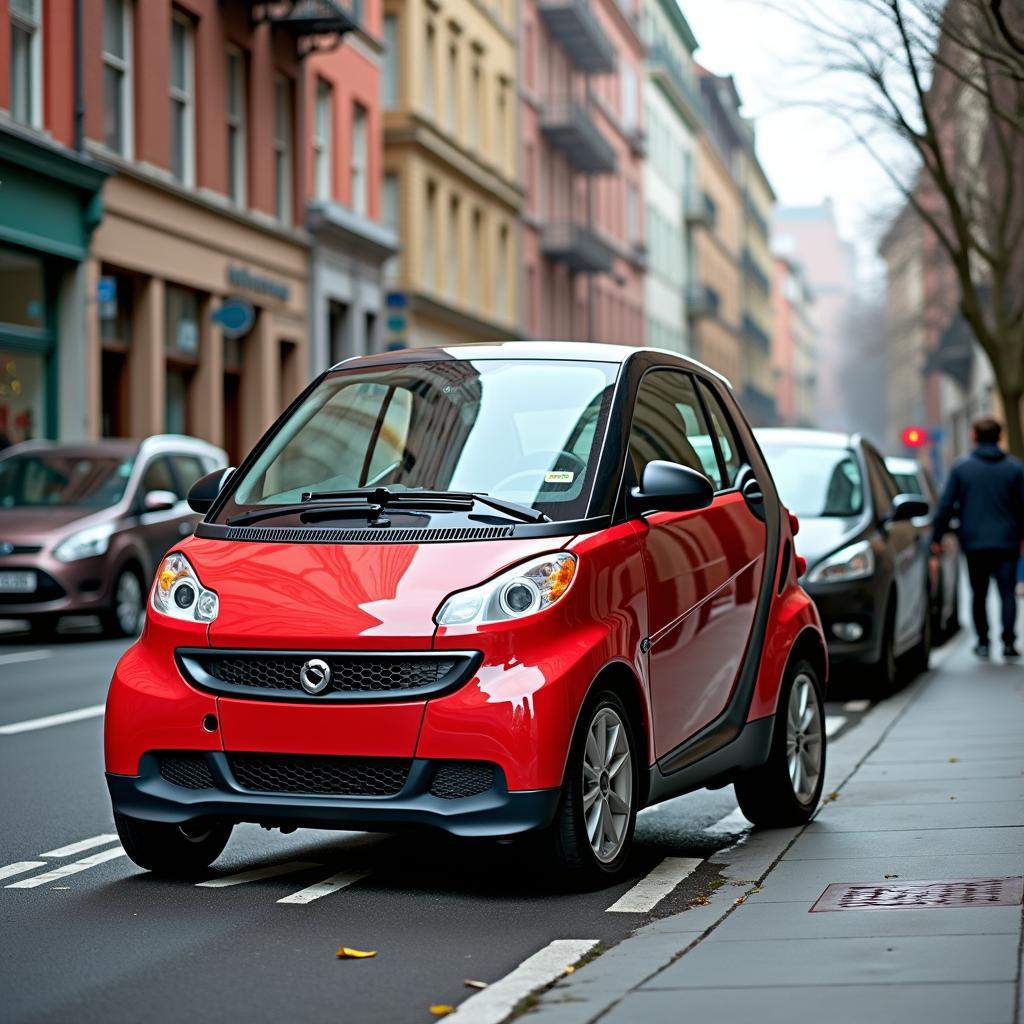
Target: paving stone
x,y
839,1004
899,960
942,749
1007,768
824,843
921,791
952,814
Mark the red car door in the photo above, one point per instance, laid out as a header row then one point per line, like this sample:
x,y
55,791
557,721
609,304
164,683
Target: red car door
x,y
703,568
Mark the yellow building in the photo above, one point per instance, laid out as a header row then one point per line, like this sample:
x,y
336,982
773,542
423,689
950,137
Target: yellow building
x,y
450,186
757,264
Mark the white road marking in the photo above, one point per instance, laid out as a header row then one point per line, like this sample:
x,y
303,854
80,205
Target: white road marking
x,y
83,844
20,867
313,892
68,869
729,825
44,723
833,723
499,999
17,656
257,873
655,885
857,705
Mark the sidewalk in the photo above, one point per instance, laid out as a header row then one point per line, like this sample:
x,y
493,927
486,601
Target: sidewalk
x,y
930,786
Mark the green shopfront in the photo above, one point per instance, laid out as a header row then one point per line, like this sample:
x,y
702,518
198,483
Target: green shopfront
x,y
49,204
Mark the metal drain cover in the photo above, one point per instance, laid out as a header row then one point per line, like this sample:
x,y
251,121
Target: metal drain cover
x,y
922,895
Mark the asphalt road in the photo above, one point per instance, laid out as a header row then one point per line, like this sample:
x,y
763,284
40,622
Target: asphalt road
x,y
110,943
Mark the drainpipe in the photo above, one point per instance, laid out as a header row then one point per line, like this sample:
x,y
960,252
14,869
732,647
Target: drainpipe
x,y
79,82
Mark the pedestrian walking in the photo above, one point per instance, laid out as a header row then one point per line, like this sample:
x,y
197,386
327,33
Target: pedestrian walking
x,y
985,491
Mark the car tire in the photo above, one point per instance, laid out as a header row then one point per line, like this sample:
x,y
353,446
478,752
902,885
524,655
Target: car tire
x,y
176,851
128,604
786,789
918,657
589,841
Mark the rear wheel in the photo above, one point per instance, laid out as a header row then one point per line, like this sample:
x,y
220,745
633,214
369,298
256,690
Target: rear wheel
x,y
177,851
786,789
919,655
592,834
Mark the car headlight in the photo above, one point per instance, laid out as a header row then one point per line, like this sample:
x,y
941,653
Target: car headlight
x,y
179,593
524,590
856,562
93,540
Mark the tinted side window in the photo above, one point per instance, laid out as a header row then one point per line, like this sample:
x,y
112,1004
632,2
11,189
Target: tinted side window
x,y
883,485
732,457
158,476
669,424
188,469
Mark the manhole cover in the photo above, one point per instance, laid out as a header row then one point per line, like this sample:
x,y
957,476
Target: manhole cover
x,y
926,895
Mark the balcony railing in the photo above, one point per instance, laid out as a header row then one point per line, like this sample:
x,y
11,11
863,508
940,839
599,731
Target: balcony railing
x,y
580,248
702,301
571,127
759,406
313,24
666,70
754,272
700,210
577,30
756,334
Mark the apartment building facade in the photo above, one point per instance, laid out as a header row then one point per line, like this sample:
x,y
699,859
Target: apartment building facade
x,y
451,187
208,118
792,344
674,202
757,266
716,297
583,148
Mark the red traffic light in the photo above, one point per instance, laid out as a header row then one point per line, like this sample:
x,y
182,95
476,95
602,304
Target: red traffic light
x,y
914,437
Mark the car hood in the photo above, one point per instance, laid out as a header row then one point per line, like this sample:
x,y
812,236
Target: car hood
x,y
820,537
343,596
41,524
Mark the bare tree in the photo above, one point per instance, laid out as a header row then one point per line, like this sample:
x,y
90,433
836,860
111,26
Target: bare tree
x,y
943,115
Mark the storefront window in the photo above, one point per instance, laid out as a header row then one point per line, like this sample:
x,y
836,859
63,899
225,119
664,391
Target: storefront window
x,y
181,343
22,397
22,297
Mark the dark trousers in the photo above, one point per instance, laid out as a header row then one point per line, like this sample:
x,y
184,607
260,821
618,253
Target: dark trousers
x,y
1001,566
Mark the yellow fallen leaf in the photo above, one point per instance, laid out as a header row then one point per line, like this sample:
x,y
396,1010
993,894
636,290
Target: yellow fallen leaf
x,y
470,983
441,1009
345,953
954,760
569,969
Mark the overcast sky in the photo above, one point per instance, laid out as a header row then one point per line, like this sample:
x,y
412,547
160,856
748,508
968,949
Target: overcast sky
x,y
807,155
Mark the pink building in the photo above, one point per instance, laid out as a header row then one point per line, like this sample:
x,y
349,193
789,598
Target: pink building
x,y
584,255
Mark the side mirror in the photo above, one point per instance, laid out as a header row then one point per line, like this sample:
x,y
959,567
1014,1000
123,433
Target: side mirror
x,y
204,491
159,501
669,487
908,506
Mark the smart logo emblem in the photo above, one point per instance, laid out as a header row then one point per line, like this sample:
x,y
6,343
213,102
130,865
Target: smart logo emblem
x,y
315,675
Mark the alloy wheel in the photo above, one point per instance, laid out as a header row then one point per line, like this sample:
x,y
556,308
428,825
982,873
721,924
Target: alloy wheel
x,y
128,603
804,732
607,784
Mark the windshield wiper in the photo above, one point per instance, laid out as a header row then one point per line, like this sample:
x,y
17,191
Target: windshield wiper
x,y
432,500
371,502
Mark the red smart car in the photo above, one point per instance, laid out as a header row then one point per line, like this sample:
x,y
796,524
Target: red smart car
x,y
493,589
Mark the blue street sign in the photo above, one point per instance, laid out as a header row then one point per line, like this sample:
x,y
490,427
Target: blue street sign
x,y
235,317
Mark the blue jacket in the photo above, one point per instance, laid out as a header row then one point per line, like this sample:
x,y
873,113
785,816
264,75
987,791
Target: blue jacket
x,y
985,491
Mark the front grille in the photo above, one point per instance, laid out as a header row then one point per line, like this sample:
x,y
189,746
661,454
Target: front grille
x,y
276,675
460,779
21,549
190,771
326,776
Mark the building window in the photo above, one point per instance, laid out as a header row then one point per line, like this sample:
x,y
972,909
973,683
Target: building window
x,y
476,255
429,57
451,90
430,236
182,113
360,157
389,201
632,213
283,148
117,76
501,282
236,118
629,97
475,99
26,62
181,347
501,128
323,150
389,73
451,259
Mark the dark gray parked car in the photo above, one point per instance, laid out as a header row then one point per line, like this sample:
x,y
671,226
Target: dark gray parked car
x,y
867,561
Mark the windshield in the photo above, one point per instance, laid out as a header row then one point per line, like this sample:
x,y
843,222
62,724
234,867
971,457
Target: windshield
x,y
58,478
817,482
527,431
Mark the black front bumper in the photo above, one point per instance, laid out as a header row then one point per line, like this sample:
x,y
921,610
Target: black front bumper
x,y
494,813
861,601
